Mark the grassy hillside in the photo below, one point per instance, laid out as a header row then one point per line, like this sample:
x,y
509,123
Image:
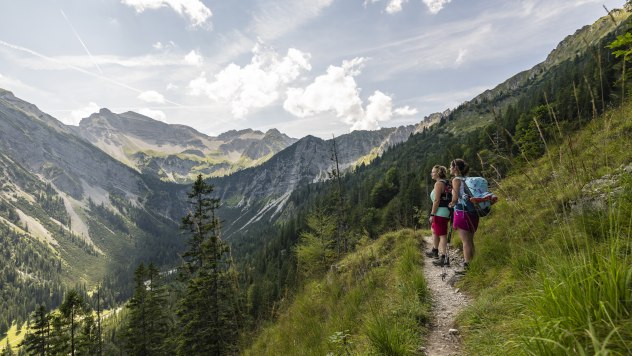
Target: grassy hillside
x,y
553,271
374,302
552,274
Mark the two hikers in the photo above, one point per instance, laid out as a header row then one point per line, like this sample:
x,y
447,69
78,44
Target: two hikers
x,y
463,221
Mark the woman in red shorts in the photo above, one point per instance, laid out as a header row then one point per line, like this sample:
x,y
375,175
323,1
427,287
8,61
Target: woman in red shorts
x,y
465,223
439,215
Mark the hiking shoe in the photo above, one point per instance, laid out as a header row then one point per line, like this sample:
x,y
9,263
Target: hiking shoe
x,y
466,267
441,262
434,253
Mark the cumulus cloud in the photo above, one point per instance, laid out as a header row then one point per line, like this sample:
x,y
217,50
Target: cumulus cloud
x,y
197,13
405,111
436,5
78,114
337,91
193,58
395,6
255,85
151,96
154,114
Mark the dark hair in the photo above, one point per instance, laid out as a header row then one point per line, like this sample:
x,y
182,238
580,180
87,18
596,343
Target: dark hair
x,y
442,172
461,166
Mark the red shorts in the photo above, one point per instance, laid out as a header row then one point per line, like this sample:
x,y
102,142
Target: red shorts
x,y
440,225
465,221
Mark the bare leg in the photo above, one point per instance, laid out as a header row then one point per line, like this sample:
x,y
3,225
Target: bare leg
x,y
435,240
443,244
468,244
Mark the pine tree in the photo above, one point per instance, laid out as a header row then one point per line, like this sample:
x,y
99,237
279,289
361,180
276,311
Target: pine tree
x,y
72,308
146,328
36,341
135,332
315,251
208,313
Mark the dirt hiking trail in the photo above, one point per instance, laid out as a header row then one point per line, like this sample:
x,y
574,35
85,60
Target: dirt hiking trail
x,y
444,338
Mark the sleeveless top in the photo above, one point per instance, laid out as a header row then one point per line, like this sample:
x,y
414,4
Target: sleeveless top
x,y
441,211
462,195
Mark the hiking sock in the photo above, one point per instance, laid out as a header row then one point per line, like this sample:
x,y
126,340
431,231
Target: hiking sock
x,y
434,253
440,262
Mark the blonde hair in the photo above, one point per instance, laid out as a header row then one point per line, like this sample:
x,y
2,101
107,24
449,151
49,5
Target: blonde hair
x,y
442,172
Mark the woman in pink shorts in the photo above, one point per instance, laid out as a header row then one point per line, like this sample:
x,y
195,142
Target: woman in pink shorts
x,y
465,223
439,214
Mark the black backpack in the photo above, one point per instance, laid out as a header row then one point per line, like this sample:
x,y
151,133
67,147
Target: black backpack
x,y
446,194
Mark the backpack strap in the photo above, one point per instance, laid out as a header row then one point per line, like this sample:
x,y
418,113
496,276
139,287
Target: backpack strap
x,y
467,190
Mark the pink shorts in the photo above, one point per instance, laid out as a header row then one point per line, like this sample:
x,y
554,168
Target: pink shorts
x,y
440,225
465,221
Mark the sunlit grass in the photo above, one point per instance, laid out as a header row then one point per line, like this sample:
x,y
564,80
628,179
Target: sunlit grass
x,y
553,271
374,302
14,336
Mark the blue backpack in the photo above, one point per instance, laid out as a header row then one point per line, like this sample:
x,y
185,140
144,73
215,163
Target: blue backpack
x,y
479,199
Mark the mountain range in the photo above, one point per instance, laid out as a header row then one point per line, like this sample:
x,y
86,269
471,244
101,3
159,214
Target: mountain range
x,y
177,153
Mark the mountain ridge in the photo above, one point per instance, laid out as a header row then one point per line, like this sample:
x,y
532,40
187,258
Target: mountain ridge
x,y
174,152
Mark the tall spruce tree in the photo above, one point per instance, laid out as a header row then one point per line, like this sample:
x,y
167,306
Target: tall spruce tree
x,y
72,309
36,341
208,311
147,325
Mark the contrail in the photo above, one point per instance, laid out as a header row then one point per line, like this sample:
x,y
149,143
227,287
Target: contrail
x,y
81,70
81,41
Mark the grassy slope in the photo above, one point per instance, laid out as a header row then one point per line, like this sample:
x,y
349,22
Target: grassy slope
x,y
375,302
549,278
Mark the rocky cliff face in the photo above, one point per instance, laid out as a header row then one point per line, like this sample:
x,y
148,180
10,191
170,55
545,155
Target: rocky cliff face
x,y
261,192
75,202
48,148
177,153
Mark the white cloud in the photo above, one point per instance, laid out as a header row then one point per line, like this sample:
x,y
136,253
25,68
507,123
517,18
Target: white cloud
x,y
154,114
255,85
379,108
460,58
405,111
78,114
337,91
193,58
172,86
151,96
197,13
436,5
395,6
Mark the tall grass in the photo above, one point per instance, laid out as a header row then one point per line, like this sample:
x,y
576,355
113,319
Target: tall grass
x,y
553,274
374,302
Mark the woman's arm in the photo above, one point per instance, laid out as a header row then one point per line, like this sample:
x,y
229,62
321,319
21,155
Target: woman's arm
x,y
438,188
456,187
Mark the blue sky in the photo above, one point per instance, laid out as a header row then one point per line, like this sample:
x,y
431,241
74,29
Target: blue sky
x,y
317,67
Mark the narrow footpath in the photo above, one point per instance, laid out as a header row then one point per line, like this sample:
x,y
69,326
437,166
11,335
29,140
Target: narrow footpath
x,y
444,338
